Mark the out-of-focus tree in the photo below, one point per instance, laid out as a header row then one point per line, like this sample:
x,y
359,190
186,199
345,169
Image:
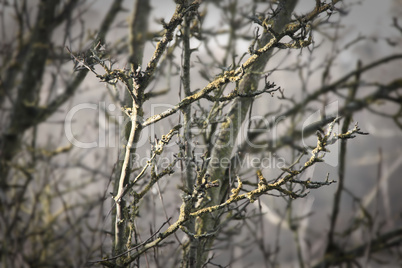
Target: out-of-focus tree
x,y
46,219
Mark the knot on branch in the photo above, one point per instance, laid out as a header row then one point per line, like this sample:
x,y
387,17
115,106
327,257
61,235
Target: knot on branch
x,y
157,148
137,75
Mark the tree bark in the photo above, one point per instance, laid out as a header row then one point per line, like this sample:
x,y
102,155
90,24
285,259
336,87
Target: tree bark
x,y
229,130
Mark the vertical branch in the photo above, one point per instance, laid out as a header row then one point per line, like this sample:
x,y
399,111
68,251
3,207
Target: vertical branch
x,y
342,160
120,222
187,91
121,215
230,128
188,252
294,227
138,32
